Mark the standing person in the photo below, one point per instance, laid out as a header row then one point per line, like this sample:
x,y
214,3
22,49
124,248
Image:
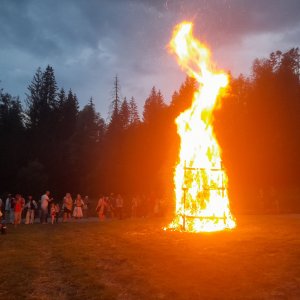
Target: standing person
x,y
119,206
23,202
68,204
101,207
31,206
52,212
78,204
44,207
57,210
12,210
17,209
8,208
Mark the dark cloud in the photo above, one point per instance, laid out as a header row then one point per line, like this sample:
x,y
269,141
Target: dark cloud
x,y
88,42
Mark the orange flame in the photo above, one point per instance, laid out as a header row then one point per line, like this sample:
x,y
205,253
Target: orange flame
x,y
202,202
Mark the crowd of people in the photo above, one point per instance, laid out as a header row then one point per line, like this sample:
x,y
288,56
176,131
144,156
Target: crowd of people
x,y
14,209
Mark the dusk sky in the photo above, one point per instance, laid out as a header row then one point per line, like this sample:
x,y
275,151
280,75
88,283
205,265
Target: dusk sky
x,y
89,42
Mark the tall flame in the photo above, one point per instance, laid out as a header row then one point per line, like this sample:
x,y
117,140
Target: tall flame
x,y
202,202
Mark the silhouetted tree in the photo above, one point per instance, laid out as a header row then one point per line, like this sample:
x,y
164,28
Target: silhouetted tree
x,y
124,114
69,112
154,106
182,99
55,144
134,118
34,100
32,178
12,130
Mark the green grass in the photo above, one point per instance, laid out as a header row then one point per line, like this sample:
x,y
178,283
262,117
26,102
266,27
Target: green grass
x,y
135,259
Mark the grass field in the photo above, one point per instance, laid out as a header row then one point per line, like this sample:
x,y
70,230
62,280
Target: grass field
x,y
135,259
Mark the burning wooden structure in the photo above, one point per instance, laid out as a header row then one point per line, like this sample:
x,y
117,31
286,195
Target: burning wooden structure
x,y
202,202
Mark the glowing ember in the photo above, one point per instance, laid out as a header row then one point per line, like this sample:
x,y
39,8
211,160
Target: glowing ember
x,y
202,202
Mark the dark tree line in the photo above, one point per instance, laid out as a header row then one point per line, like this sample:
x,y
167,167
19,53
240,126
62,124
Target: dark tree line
x,y
259,130
50,143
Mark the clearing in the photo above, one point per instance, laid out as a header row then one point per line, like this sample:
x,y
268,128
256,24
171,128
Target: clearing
x,y
135,259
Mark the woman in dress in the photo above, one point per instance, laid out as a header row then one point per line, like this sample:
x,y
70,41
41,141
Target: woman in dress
x,y
31,206
18,209
78,204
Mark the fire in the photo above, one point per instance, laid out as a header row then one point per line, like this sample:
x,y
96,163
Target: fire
x,y
202,203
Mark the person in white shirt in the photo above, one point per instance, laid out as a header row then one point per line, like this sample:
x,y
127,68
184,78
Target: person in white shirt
x,y
44,207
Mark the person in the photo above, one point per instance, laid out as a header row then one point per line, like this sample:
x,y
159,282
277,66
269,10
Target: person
x,y
7,208
23,202
101,207
17,209
119,207
12,210
31,206
57,210
44,207
78,204
67,205
52,213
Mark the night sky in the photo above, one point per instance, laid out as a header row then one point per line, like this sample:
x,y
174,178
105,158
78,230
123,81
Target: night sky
x,y
89,42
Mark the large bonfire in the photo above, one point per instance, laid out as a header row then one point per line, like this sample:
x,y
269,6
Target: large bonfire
x,y
202,203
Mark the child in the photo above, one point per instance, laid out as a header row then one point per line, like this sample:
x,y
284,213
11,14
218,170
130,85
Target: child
x,y
52,212
57,210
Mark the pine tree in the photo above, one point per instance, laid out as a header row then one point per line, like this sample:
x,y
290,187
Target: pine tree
x,y
116,103
49,88
11,114
68,112
61,97
88,122
42,100
183,99
43,119
12,136
154,106
34,100
115,125
85,145
124,114
134,118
